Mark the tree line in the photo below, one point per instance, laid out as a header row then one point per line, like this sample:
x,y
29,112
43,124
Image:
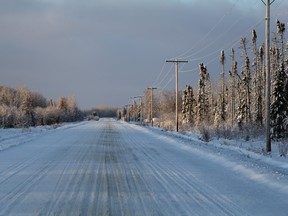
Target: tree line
x,y
23,108
236,101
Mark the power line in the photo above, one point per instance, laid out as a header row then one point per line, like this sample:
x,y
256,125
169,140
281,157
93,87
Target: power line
x,y
230,45
279,3
209,32
171,78
210,44
159,75
215,40
164,78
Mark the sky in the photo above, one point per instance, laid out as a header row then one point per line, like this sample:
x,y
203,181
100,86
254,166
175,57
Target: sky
x,y
103,52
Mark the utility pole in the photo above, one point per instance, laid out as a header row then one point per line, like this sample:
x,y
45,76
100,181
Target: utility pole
x,y
141,109
268,76
151,104
176,73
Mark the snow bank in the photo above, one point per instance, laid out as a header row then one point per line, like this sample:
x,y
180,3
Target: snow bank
x,y
16,136
216,149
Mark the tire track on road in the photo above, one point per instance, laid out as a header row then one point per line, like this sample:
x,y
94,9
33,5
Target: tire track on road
x,y
181,185
72,193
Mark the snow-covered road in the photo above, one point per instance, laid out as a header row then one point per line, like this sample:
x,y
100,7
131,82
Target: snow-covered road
x,y
114,168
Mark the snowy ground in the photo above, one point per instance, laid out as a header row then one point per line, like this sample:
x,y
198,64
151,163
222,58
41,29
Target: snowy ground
x,y
115,168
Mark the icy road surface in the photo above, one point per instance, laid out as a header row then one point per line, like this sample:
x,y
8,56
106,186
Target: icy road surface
x,y
115,168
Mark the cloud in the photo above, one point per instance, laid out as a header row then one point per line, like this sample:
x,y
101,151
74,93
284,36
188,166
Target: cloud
x,y
104,52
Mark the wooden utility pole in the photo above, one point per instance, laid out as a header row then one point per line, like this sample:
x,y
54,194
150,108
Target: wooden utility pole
x,y
176,72
151,104
268,76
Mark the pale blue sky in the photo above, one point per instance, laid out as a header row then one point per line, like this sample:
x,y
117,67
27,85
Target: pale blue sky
x,y
104,52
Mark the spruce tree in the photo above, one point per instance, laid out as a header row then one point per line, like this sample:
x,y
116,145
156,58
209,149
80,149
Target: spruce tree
x,y
244,108
279,105
280,31
188,104
203,105
257,83
231,102
184,107
220,112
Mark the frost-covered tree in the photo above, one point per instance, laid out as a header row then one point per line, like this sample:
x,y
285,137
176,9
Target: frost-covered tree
x,y
203,103
27,112
231,99
73,112
38,100
280,32
188,106
219,117
8,116
244,107
279,105
220,112
62,104
7,96
67,109
23,108
165,102
262,67
147,105
257,82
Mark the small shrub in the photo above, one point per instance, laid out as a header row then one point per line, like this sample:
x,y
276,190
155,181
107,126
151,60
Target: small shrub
x,y
205,134
224,132
283,149
247,138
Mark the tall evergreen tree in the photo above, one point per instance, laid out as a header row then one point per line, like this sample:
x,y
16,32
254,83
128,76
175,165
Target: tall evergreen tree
x,y
220,112
280,32
257,84
244,108
231,102
203,105
279,105
188,105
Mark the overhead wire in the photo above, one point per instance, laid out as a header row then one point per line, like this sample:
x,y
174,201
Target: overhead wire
x,y
213,42
164,78
172,77
159,75
278,3
219,36
159,83
209,32
167,83
277,6
230,46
